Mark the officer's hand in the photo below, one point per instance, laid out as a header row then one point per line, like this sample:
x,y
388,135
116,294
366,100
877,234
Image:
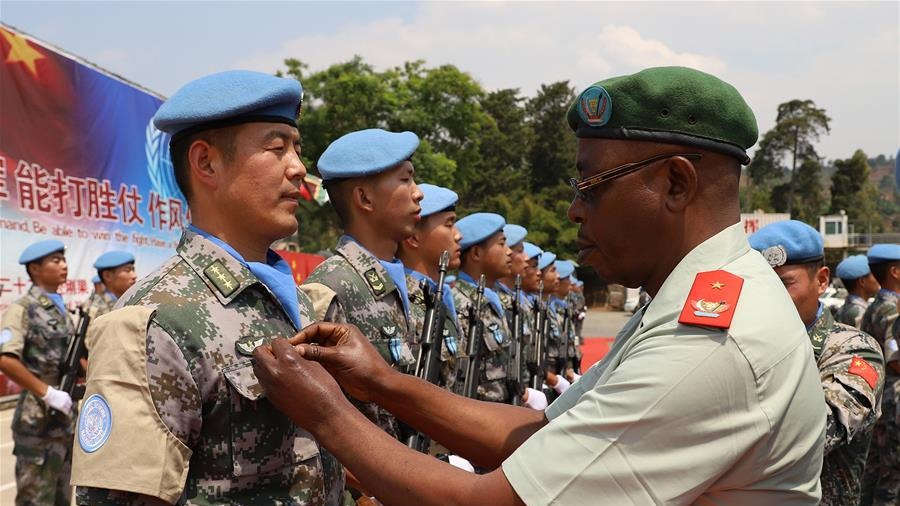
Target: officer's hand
x,y
347,355
302,389
58,400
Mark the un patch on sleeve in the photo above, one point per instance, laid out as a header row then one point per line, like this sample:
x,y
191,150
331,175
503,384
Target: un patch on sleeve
x,y
94,424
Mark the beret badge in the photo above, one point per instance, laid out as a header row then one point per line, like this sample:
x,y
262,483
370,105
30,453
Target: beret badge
x,y
595,106
776,256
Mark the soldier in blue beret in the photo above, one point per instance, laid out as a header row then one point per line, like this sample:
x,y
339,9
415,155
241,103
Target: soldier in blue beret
x,y
34,334
485,252
881,484
659,156
505,288
850,362
861,286
116,272
173,412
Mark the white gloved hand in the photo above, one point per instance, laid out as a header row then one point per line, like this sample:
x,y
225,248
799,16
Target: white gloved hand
x,y
57,399
536,400
461,463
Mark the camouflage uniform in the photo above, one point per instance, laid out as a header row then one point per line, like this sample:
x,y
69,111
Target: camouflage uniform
x,y
205,313
554,344
851,313
451,338
851,367
99,303
495,342
525,316
882,476
355,288
38,334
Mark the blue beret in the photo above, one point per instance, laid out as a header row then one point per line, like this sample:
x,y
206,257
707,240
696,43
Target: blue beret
x,y
884,253
478,227
853,267
229,98
96,279
531,250
514,234
40,249
366,153
565,268
546,259
436,199
113,259
788,242
449,279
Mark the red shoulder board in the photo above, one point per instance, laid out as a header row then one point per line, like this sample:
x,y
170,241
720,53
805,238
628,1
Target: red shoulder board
x,y
865,371
712,300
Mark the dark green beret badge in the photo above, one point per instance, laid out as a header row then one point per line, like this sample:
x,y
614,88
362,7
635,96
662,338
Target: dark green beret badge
x,y
595,106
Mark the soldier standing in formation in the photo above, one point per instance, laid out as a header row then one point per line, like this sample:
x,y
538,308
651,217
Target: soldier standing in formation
x,y
116,272
505,288
850,362
34,334
861,285
882,476
173,411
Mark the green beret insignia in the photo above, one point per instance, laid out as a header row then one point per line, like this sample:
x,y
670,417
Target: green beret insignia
x,y
595,106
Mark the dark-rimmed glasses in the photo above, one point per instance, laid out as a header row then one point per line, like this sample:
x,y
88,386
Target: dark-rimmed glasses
x,y
582,186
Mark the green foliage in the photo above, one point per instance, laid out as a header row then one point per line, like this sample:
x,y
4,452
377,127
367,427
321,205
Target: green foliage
x,y
851,191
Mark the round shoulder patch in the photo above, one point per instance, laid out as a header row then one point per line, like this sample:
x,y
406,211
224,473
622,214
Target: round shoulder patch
x,y
775,255
595,106
94,424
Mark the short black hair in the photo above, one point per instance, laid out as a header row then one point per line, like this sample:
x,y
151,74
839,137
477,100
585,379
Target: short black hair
x,y
222,138
850,284
881,270
337,195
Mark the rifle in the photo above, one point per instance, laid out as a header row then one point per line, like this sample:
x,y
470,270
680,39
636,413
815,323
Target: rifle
x,y
427,363
473,368
515,373
540,319
70,368
567,328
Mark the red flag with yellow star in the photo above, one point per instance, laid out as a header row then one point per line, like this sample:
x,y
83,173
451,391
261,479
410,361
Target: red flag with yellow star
x,y
864,370
712,300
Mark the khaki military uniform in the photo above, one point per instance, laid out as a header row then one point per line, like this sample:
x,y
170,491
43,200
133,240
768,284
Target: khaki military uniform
x,y
173,409
98,304
495,336
851,313
682,414
881,482
851,368
452,345
353,287
35,331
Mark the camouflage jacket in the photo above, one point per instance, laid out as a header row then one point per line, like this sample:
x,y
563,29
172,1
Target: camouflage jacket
x,y
357,289
525,317
567,329
208,314
852,311
35,330
495,343
98,304
851,368
554,339
453,346
878,321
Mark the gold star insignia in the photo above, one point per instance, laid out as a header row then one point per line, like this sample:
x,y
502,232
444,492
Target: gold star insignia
x,y
21,51
717,285
858,363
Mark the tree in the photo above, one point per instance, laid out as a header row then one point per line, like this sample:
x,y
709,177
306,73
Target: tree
x,y
809,199
552,157
852,192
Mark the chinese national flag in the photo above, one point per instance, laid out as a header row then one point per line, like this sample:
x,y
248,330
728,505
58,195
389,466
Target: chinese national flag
x,y
865,371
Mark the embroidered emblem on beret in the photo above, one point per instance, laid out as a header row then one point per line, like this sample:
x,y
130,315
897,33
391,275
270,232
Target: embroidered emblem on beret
x,y
595,106
775,255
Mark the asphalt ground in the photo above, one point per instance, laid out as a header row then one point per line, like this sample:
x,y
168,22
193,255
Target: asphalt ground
x,y
600,326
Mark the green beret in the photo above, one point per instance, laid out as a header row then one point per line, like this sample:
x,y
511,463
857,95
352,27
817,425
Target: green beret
x,y
674,105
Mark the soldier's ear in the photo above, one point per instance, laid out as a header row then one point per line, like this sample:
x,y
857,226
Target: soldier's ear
x,y
823,277
413,241
362,197
201,165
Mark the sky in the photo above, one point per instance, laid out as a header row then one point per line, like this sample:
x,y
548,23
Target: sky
x,y
843,56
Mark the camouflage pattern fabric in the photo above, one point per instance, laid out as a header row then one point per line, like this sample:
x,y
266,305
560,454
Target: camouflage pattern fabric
x,y
525,313
449,362
210,313
851,368
366,296
42,438
881,480
495,347
554,342
851,313
98,304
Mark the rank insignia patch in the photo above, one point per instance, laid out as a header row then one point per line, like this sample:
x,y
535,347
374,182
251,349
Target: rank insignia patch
x,y
712,300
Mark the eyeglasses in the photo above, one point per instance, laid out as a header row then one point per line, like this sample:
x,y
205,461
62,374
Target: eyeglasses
x,y
582,187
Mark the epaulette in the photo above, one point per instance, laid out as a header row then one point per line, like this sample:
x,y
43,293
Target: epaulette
x,y
712,300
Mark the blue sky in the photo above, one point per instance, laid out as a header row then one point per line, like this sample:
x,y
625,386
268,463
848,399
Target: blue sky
x,y
844,56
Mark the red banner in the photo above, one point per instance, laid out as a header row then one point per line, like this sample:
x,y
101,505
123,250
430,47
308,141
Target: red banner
x,y
301,263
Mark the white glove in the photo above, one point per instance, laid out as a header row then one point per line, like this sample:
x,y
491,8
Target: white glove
x,y
57,399
561,385
461,463
536,400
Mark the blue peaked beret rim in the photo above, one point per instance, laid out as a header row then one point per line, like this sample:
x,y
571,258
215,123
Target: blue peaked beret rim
x,y
883,253
546,259
365,153
436,199
40,249
478,227
853,267
515,234
113,259
788,242
531,250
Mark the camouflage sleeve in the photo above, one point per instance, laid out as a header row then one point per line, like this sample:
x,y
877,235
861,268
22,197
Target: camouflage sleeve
x,y
12,330
85,496
175,393
852,380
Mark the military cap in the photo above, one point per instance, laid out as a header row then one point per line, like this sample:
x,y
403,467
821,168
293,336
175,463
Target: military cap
x,y
788,242
477,227
113,259
546,260
853,267
39,250
514,234
436,199
229,98
675,105
366,153
884,253
565,268
531,250
96,279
